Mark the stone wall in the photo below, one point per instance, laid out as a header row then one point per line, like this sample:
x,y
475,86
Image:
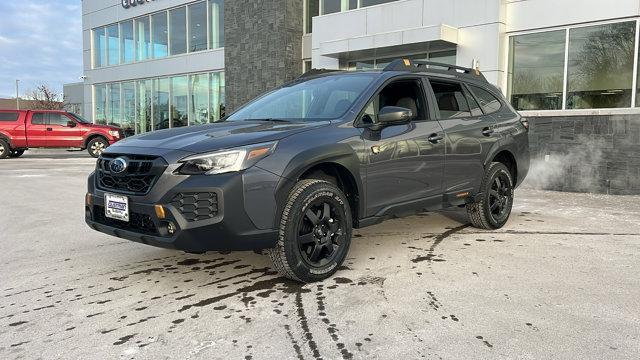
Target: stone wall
x,y
586,153
263,47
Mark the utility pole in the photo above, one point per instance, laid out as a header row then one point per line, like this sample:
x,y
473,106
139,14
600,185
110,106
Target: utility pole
x,y
17,94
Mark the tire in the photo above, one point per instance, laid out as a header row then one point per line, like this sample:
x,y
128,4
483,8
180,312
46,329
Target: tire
x,y
493,209
5,150
16,153
314,232
96,146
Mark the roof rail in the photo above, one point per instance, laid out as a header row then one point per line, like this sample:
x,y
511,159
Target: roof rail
x,y
314,72
420,66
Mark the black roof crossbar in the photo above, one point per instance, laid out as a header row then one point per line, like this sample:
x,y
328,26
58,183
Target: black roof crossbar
x,y
420,66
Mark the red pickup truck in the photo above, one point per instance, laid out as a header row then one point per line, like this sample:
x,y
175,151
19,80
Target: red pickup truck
x,y
24,129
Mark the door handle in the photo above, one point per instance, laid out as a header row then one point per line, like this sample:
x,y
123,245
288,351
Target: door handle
x,y
435,138
49,129
487,131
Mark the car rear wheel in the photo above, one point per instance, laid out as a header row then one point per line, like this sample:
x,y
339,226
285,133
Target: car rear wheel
x,y
315,232
5,150
16,153
96,146
493,208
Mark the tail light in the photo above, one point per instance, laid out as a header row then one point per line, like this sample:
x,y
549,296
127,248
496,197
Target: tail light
x,y
525,122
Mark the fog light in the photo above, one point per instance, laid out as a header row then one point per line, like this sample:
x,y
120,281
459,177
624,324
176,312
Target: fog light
x,y
160,212
171,228
89,199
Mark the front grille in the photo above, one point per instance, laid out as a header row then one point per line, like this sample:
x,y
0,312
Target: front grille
x,y
138,178
140,223
196,206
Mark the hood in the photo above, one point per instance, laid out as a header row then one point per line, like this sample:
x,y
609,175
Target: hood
x,y
212,137
100,126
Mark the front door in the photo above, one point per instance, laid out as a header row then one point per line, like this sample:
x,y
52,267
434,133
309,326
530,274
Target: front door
x,y
405,162
470,135
61,132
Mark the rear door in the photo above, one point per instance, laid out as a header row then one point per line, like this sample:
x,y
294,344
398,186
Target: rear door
x,y
470,134
37,129
61,132
12,126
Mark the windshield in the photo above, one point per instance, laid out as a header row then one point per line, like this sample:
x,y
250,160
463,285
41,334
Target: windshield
x,y
323,98
80,118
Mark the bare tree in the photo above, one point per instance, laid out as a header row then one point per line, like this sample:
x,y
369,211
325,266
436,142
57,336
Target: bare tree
x,y
45,98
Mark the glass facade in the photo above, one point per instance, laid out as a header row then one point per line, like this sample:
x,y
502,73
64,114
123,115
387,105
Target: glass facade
x,y
446,57
592,65
193,27
334,6
160,103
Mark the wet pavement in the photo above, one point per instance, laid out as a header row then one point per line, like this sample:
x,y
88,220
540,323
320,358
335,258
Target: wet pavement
x,y
561,280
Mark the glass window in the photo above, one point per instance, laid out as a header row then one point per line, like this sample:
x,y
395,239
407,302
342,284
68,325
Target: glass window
x,y
160,103
100,103
334,6
179,98
536,70
445,57
178,30
112,113
474,107
216,93
362,65
306,100
601,66
198,27
8,115
113,45
128,107
199,95
58,119
450,100
312,10
143,106
38,118
99,47
374,2
143,40
216,28
159,39
126,42
488,101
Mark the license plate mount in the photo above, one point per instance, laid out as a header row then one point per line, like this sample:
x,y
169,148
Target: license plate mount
x,y
116,207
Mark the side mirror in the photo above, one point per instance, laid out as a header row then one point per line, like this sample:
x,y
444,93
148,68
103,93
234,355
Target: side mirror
x,y
392,115
71,124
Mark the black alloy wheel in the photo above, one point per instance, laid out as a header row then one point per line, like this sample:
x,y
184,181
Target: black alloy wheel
x,y
320,232
493,208
500,197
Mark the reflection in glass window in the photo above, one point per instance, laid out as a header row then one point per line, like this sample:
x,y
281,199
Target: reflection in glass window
x,y
178,33
179,98
113,45
334,6
488,102
160,103
143,106
198,27
112,114
450,99
536,70
199,95
374,2
99,47
312,10
128,107
601,66
159,39
143,39
216,14
217,96
126,42
100,103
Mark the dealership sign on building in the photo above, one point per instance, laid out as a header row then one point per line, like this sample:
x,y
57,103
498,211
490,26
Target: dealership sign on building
x,y
129,3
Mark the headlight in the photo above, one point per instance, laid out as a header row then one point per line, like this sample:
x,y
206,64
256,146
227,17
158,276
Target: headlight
x,y
114,133
225,161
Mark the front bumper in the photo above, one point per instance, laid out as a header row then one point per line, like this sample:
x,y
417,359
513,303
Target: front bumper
x,y
227,227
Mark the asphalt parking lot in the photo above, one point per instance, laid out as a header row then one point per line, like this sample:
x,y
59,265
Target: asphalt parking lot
x,y
561,280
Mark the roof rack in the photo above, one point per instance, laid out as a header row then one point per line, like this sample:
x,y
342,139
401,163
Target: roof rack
x,y
314,72
420,66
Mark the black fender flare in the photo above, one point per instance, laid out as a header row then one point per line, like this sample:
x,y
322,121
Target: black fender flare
x,y
338,154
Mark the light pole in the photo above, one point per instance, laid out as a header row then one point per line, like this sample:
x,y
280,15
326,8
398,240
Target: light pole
x,y
17,94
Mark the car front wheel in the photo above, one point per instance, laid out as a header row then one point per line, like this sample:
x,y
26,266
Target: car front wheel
x,y
315,232
96,146
493,208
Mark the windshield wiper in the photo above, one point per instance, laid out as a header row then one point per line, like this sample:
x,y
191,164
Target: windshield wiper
x,y
271,119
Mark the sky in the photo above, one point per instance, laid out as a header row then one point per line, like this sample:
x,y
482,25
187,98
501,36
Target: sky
x,y
40,43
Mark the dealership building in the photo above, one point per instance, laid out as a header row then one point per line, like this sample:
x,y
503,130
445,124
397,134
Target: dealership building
x,y
570,66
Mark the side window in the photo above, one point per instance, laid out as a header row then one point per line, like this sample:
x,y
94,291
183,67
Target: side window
x,y
58,119
402,93
473,104
38,118
488,102
8,116
450,99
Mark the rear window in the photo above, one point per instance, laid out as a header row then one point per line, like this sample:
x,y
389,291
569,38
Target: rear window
x,y
488,102
8,116
450,99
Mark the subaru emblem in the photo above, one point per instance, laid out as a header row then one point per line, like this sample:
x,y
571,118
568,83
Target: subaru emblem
x,y
118,165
